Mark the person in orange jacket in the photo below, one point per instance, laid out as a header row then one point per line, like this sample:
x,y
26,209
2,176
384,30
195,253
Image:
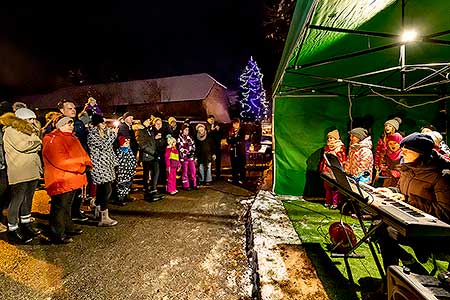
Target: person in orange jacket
x,y
65,166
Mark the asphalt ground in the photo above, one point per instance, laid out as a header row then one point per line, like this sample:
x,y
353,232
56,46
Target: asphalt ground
x,y
187,246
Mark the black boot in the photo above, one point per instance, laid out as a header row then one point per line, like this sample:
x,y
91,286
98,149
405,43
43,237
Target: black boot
x,y
61,240
30,230
17,237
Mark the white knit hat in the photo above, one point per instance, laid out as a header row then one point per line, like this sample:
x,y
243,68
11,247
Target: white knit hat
x,y
25,113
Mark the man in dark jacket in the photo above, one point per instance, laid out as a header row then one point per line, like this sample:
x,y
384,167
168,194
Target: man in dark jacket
x,y
150,160
126,130
425,183
68,109
215,133
236,140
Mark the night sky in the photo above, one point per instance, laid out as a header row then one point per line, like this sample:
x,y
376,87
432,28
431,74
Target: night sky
x,y
44,47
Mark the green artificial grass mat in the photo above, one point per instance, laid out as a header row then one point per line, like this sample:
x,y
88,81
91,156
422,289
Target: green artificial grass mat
x,y
311,221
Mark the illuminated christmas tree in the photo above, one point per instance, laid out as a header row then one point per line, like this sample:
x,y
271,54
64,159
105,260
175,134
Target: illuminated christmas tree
x,y
254,105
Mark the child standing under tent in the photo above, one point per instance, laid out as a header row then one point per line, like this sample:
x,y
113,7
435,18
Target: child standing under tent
x,y
126,169
334,146
172,165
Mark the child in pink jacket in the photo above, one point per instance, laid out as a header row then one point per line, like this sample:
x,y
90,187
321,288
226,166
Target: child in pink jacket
x,y
172,165
334,146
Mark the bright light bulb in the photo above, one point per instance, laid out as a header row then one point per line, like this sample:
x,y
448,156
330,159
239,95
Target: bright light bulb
x,y
408,36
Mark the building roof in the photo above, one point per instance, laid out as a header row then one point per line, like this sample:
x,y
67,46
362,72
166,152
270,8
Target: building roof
x,y
167,89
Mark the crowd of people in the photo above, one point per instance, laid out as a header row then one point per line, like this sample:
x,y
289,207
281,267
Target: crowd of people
x,y
85,157
416,165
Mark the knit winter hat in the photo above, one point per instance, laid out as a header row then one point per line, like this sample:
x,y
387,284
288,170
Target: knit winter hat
x,y
396,137
418,142
334,134
200,125
359,132
97,119
25,113
122,140
63,121
395,122
171,141
436,136
170,120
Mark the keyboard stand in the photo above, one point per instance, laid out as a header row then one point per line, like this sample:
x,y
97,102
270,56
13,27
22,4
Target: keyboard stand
x,y
355,203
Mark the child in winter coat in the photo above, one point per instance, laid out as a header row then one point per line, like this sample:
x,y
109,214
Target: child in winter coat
x,y
172,165
186,147
393,156
334,146
126,169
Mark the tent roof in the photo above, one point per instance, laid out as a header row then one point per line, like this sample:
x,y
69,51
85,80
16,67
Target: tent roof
x,y
336,47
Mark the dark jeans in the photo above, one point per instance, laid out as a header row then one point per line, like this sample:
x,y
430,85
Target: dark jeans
x,y
60,214
21,199
104,192
151,171
76,203
238,166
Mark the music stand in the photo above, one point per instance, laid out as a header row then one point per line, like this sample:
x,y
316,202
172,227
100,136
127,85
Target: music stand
x,y
356,198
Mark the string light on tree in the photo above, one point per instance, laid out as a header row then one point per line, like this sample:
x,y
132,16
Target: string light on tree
x,y
254,105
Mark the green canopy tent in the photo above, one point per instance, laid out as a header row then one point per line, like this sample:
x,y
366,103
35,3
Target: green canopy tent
x,y
349,64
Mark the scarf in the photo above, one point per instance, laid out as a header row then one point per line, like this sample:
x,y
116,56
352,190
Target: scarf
x,y
395,156
201,137
125,149
334,145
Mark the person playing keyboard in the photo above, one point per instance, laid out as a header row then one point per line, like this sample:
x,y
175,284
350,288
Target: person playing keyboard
x,y
425,182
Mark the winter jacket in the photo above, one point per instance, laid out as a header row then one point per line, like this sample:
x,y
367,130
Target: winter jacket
x,y
360,158
21,145
128,132
204,150
127,164
161,143
339,152
174,132
186,147
104,159
172,158
147,145
427,186
379,159
65,162
79,129
236,140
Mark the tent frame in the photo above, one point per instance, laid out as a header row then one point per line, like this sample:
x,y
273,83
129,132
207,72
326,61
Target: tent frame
x,y
440,72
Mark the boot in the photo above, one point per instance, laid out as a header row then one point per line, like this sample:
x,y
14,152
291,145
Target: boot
x,y
97,212
17,237
105,220
30,230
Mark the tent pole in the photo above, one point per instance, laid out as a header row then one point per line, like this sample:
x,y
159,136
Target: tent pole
x,y
438,72
402,66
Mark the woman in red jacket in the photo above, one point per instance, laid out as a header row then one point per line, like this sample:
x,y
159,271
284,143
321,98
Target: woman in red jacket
x,y
65,165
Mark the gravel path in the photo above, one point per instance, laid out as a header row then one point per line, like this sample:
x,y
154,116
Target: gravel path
x,y
187,246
